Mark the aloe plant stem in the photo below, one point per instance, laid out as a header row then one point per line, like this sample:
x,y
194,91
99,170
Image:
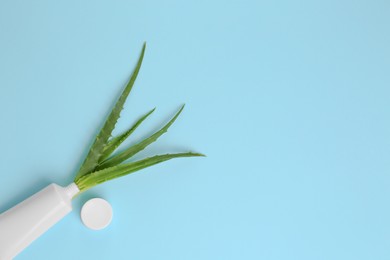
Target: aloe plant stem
x,y
100,165
92,159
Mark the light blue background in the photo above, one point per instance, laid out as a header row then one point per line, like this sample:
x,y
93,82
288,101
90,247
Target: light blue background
x,y
289,100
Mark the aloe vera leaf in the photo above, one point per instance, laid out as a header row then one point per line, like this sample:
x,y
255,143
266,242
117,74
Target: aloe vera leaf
x,y
95,178
114,143
95,152
126,154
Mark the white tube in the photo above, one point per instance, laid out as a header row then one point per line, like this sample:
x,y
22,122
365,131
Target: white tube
x,y
22,224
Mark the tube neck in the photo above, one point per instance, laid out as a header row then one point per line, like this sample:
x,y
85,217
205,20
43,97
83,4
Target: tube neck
x,y
71,190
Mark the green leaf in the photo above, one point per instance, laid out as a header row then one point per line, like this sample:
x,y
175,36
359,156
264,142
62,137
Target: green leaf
x,y
93,157
123,156
95,178
114,143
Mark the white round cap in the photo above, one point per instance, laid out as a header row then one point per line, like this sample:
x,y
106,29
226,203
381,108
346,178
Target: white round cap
x,y
96,214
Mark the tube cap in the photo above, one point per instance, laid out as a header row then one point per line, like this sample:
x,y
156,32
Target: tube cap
x,y
96,214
